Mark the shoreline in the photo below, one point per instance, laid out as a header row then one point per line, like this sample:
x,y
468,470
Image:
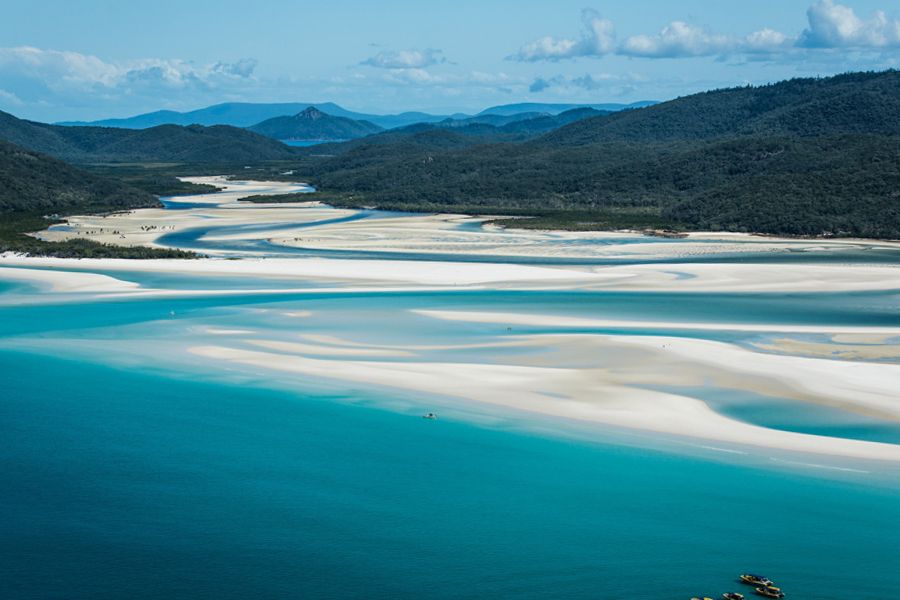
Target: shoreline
x,y
587,377
318,226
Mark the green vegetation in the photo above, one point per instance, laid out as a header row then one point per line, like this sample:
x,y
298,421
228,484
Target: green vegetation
x,y
282,198
33,185
159,179
15,226
30,181
219,144
313,124
802,157
645,219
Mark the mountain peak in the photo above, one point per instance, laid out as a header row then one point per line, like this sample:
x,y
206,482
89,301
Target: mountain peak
x,y
312,113
313,124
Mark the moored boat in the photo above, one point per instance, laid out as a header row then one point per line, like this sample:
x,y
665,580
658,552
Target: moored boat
x,y
770,592
757,580
732,596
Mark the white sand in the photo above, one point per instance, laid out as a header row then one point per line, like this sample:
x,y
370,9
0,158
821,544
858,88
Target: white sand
x,y
67,281
507,319
289,225
744,277
704,278
870,388
881,351
568,393
587,377
386,271
440,233
318,350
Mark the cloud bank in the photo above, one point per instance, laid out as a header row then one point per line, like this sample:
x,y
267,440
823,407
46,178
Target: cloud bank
x,y
830,26
836,26
405,59
56,69
37,77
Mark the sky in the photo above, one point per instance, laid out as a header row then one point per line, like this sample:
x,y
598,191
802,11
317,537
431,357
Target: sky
x,y
91,59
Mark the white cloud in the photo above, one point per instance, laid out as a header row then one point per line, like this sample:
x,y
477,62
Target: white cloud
x,y
830,26
56,66
64,81
680,39
675,40
765,40
598,37
837,26
36,69
417,76
405,59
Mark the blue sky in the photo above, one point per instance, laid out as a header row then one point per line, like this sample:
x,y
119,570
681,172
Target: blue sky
x,y
85,59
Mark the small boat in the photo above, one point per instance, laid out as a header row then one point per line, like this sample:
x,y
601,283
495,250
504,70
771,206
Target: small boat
x,y
430,416
701,598
770,592
732,596
757,580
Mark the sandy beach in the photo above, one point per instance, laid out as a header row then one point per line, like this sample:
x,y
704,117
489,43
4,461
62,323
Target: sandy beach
x,y
311,225
629,381
580,394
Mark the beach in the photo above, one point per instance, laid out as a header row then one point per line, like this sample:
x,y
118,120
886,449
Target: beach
x,y
633,373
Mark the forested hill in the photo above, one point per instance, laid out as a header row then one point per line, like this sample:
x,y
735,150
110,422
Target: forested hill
x,y
313,124
165,143
30,181
34,186
851,103
801,157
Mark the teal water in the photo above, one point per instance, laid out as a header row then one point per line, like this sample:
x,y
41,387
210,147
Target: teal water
x,y
130,468
156,487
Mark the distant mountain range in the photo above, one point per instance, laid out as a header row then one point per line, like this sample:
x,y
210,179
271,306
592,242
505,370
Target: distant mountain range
x,y
244,114
313,124
555,109
225,144
164,143
469,131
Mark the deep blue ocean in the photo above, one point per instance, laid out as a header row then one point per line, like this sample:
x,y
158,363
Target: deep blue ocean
x,y
128,484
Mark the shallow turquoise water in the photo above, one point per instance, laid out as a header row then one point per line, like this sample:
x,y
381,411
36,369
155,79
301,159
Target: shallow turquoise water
x,y
130,469
119,484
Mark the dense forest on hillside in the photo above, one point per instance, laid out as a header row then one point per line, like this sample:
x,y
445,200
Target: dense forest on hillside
x,y
801,157
165,143
35,190
31,181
